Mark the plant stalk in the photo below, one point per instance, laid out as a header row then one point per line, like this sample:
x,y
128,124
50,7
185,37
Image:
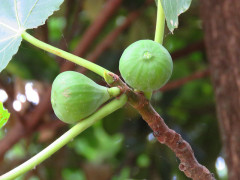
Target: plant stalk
x,y
160,25
73,58
114,91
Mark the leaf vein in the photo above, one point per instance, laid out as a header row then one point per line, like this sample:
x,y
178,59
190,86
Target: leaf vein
x,y
2,59
16,13
8,45
7,38
30,12
9,27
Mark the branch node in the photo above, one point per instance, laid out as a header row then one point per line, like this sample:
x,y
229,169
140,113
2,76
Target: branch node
x,y
183,166
114,77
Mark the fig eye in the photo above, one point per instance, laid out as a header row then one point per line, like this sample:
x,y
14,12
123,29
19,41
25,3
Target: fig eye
x,y
147,55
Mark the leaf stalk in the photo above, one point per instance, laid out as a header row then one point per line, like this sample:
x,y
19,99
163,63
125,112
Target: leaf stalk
x,y
160,24
63,54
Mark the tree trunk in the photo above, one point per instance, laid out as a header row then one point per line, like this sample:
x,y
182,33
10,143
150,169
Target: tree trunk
x,y
221,22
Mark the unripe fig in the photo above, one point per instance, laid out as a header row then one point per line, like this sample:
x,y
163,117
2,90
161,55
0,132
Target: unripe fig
x,y
75,96
146,65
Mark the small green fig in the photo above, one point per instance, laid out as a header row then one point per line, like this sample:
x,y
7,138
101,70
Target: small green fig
x,y
75,96
146,65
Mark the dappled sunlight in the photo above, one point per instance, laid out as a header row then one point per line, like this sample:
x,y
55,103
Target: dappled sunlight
x,y
17,106
221,167
21,98
31,94
3,96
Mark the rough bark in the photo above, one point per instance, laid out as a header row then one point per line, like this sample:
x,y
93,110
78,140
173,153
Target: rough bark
x,y
221,22
189,164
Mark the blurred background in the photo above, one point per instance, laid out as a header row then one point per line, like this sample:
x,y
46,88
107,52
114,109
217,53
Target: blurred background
x,y
121,146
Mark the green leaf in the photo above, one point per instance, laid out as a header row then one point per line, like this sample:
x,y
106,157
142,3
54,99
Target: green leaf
x,y
172,9
4,115
16,16
9,44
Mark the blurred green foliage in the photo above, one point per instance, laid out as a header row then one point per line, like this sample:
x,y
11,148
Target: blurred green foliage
x,y
122,145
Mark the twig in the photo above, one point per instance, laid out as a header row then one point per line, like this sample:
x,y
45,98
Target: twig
x,y
198,46
178,83
189,165
51,125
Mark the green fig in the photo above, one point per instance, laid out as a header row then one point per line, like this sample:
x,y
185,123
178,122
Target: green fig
x,y
75,96
146,65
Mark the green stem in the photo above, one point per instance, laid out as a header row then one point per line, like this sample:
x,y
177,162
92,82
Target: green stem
x,y
65,138
114,91
148,94
159,33
73,58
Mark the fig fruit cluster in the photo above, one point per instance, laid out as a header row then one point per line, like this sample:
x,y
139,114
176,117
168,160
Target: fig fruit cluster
x,y
75,96
146,65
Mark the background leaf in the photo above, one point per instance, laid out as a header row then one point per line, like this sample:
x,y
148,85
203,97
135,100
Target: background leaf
x,y
16,16
4,115
172,9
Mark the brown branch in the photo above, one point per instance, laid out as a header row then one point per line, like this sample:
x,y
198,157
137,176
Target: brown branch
x,y
51,125
189,165
12,137
198,46
178,83
33,118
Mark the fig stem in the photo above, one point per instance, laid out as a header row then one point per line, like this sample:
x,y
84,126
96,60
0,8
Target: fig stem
x,y
114,91
160,24
68,56
148,94
65,138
